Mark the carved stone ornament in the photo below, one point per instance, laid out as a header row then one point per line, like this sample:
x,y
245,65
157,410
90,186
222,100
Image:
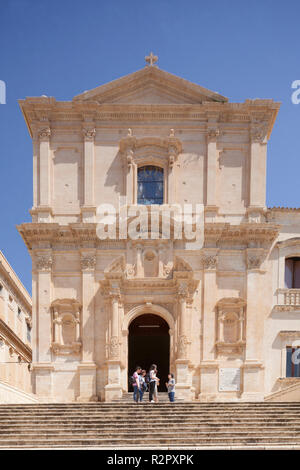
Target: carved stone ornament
x,y
114,347
182,347
130,271
88,262
129,158
172,160
45,133
258,133
132,148
66,321
230,326
254,259
210,262
167,270
254,262
44,262
213,134
89,134
183,289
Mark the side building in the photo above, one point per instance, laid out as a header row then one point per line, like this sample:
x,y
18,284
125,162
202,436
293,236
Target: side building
x,y
15,337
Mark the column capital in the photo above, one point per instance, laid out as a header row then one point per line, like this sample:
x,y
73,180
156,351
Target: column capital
x,y
212,134
44,134
43,261
89,134
258,133
88,262
209,261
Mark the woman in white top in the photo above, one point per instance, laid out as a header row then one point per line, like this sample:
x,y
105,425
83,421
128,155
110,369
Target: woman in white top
x,y
153,383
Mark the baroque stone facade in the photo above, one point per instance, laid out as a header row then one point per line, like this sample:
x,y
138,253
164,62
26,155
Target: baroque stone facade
x,y
225,302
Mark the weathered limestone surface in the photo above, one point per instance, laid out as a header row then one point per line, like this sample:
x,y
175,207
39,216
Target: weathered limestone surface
x,y
224,301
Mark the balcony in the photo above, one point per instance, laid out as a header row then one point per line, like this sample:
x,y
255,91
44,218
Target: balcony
x,y
288,299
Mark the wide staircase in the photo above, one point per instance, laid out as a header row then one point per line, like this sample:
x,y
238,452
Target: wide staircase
x,y
163,425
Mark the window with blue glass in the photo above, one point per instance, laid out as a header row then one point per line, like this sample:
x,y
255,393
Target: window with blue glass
x,y
150,185
292,362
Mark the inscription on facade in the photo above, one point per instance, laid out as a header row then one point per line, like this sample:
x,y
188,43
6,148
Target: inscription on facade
x,y
229,379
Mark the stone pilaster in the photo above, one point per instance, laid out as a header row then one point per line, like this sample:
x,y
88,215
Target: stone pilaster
x,y
183,387
87,367
258,156
44,202
209,367
255,319
139,262
211,198
130,177
113,389
42,361
88,210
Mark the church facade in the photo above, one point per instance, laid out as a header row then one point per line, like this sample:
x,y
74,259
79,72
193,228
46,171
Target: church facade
x,y
223,314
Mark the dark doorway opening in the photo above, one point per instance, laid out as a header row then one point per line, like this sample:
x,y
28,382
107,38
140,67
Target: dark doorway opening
x,y
149,343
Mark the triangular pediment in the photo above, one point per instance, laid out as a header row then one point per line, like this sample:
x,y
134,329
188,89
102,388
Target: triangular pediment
x,y
150,86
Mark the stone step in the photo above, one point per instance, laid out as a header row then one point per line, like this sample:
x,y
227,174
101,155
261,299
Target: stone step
x,y
156,425
184,403
150,409
158,433
117,442
190,427
154,418
133,406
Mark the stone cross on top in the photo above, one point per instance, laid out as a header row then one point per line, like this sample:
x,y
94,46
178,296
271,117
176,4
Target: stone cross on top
x,y
151,59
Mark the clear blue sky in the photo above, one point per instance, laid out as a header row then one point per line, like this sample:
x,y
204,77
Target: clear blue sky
x,y
239,48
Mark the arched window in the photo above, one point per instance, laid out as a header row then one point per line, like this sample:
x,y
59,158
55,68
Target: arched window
x,y
150,185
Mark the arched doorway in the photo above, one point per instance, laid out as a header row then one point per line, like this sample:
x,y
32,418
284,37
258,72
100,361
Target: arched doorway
x,y
149,343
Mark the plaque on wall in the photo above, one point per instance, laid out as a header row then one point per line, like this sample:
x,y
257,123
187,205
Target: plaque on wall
x,y
229,379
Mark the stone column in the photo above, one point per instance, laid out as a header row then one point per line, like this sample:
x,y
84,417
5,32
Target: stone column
x,y
42,362
258,156
45,172
88,209
87,367
113,389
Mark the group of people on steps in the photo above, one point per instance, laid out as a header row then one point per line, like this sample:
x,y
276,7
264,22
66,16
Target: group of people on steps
x,y
142,381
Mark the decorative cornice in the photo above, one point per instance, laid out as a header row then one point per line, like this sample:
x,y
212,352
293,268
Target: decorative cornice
x,y
293,334
170,145
78,234
14,341
12,283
